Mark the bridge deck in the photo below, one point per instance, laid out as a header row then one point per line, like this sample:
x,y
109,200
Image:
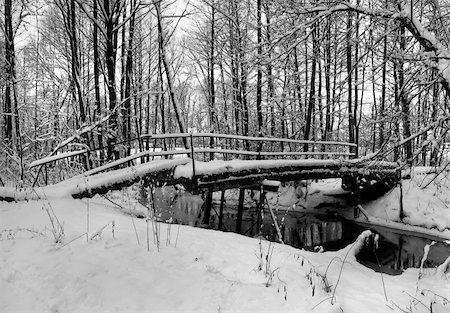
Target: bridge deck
x,y
213,175
178,162
218,175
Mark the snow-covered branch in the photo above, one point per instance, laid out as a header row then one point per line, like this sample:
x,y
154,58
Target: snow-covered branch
x,y
404,15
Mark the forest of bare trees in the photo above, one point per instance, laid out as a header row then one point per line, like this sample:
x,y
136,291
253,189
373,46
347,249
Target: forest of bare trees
x,y
98,74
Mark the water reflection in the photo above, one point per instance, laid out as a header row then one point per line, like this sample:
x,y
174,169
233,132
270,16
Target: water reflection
x,y
396,251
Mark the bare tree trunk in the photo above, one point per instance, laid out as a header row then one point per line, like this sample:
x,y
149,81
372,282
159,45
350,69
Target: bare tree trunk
x,y
128,75
98,107
351,118
298,89
225,98
259,71
69,15
382,113
395,122
161,98
237,101
111,16
212,114
312,91
270,83
404,98
356,69
326,133
10,73
162,49
11,111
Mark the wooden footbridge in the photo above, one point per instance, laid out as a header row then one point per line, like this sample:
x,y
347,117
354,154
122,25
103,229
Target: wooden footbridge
x,y
211,162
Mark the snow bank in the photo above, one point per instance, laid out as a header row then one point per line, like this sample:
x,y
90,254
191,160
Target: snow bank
x,y
195,270
425,204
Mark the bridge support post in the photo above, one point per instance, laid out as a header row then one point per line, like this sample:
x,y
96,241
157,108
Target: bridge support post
x,y
260,209
358,191
207,206
240,210
222,203
402,213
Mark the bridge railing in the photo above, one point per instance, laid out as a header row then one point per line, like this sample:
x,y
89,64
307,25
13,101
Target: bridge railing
x,y
211,146
198,146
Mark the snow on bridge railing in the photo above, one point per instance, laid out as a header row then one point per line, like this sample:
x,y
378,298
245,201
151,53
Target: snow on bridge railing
x,y
251,146
223,145
56,157
245,138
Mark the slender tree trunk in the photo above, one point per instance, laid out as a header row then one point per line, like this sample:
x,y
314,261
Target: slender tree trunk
x,y
161,98
312,89
128,75
374,96
162,49
71,28
351,117
98,107
11,111
243,91
298,88
326,133
396,120
10,73
259,70
237,103
225,97
123,56
111,15
212,91
382,112
434,111
356,70
320,129
270,83
404,98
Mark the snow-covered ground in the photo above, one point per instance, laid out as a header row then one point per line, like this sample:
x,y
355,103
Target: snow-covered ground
x,y
195,270
426,203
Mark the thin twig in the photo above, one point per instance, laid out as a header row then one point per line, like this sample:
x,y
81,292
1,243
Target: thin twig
x,y
71,241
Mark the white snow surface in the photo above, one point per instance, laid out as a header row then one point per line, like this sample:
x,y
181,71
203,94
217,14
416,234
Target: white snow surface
x,y
220,166
426,202
197,270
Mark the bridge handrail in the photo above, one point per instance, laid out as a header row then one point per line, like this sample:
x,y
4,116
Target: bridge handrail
x,y
56,157
199,150
266,153
251,138
133,157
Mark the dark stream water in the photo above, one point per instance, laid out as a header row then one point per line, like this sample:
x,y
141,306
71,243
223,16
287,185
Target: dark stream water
x,y
396,250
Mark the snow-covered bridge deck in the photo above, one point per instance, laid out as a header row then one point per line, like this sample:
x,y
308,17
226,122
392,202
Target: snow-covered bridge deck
x,y
219,169
214,175
218,175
